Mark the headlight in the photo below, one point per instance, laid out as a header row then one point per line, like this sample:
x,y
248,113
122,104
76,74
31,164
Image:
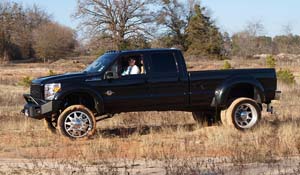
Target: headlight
x,y
51,90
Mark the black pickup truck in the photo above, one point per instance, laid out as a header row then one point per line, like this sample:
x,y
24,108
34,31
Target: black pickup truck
x,y
148,80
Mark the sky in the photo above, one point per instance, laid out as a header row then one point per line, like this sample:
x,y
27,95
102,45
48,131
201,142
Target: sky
x,y
230,15
233,15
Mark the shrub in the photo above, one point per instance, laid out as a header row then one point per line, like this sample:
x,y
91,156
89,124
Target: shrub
x,y
270,61
51,73
286,76
26,81
227,65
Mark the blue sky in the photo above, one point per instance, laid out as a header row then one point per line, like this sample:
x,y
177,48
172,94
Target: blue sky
x,y
230,15
233,15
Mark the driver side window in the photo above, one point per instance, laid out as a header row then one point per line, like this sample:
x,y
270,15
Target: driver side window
x,y
127,65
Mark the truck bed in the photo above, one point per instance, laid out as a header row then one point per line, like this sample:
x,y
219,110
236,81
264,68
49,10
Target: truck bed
x,y
203,84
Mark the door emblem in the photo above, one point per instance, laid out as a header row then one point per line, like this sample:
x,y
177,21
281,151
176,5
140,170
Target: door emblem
x,y
109,93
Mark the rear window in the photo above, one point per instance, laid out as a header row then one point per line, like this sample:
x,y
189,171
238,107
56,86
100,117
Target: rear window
x,y
163,63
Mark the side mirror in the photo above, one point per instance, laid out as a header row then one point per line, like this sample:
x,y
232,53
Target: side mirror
x,y
110,75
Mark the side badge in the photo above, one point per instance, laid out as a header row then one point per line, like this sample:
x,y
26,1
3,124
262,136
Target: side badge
x,y
109,93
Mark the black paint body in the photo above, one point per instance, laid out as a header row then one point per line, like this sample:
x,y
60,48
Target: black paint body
x,y
204,91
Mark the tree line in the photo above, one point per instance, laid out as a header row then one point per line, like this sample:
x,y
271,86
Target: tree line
x,y
250,42
30,32
130,24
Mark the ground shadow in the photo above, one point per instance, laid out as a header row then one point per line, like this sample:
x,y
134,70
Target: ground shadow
x,y
142,130
125,132
275,122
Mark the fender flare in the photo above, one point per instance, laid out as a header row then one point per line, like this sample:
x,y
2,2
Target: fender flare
x,y
222,91
98,100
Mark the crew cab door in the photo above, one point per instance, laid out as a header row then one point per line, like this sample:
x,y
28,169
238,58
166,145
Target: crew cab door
x,y
123,93
168,87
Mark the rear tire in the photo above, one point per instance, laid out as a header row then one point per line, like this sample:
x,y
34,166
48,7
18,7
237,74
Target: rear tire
x,y
77,121
243,113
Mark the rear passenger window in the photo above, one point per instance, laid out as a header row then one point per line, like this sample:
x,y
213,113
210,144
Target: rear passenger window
x,y
163,63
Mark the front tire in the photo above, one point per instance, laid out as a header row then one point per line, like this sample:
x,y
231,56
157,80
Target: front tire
x,y
243,113
77,121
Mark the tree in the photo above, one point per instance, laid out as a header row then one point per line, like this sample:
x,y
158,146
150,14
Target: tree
x,y
52,41
227,44
252,41
263,45
173,15
287,44
16,26
203,36
9,13
98,45
119,19
255,28
35,17
241,44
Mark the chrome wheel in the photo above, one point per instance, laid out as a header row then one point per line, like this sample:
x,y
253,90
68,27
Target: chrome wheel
x,y
245,115
78,124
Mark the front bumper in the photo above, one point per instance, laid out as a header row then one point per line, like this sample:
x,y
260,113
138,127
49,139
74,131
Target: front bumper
x,y
38,109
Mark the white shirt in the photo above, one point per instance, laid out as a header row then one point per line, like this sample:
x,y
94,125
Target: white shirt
x,y
131,70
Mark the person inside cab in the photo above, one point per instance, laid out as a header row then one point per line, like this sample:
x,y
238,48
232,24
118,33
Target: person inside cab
x,y
132,68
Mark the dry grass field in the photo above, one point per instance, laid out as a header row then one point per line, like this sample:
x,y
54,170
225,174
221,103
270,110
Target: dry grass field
x,y
149,142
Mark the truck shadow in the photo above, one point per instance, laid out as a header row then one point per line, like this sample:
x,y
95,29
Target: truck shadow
x,y
279,122
143,130
125,132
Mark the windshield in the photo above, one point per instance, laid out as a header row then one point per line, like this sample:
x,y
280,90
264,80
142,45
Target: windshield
x,y
101,63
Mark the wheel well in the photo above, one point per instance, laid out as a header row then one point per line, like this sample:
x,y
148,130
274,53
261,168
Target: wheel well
x,y
241,90
79,99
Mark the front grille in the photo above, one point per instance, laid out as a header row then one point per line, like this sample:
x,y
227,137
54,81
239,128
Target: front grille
x,y
36,91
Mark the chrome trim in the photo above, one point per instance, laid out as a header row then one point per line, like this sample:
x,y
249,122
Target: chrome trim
x,y
78,124
94,79
245,115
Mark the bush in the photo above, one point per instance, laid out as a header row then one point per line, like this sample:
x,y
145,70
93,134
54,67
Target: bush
x,y
270,61
227,65
286,76
26,81
51,73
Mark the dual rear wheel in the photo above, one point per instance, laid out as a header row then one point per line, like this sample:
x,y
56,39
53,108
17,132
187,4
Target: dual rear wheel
x,y
243,113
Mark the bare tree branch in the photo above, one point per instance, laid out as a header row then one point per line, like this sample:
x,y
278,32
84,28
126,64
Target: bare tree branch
x,y
118,18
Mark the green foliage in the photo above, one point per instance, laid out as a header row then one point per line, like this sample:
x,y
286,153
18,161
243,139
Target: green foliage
x,y
203,36
227,65
173,16
270,61
51,73
286,76
26,81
